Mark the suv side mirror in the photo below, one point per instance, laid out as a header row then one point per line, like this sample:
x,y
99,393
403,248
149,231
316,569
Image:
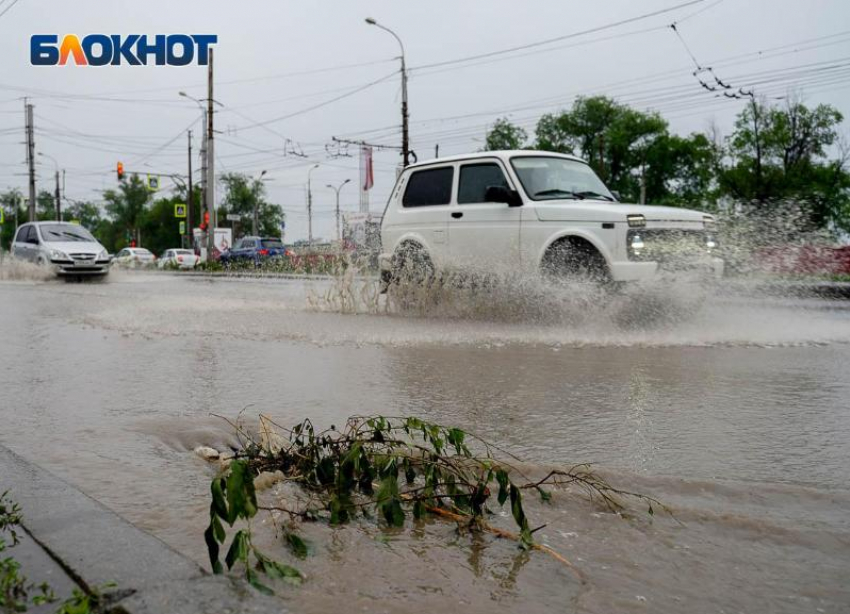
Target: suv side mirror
x,y
501,194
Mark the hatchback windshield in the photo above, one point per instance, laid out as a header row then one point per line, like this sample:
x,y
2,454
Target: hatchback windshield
x,y
66,233
184,252
546,178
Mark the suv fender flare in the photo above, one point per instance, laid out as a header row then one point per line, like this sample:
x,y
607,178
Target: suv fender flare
x,y
581,234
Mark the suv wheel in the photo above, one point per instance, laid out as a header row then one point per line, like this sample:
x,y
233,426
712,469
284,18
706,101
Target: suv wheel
x,y
574,261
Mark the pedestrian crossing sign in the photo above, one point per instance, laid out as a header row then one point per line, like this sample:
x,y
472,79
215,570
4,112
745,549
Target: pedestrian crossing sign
x,y
153,183
179,210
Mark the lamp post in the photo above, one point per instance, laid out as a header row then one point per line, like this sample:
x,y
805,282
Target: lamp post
x,y
310,206
405,136
256,221
57,195
337,189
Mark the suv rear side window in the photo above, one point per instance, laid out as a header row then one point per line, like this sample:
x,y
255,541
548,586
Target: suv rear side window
x,y
475,179
429,188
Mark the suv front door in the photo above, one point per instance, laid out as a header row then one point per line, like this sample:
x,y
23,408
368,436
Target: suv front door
x,y
483,235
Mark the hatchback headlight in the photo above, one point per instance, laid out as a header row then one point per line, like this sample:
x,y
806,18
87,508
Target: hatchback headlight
x,y
57,254
103,255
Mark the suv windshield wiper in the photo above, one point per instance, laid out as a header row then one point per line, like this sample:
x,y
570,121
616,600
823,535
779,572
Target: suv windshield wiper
x,y
591,194
555,191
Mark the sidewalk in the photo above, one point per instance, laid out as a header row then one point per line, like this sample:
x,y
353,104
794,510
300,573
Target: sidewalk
x,y
72,540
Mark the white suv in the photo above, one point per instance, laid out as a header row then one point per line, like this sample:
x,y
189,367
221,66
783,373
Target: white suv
x,y
536,213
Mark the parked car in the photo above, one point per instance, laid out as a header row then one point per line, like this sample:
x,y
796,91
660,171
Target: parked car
x,y
135,257
178,258
255,249
537,213
68,249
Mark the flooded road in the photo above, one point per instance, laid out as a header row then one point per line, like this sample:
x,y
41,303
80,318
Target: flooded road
x,y
736,416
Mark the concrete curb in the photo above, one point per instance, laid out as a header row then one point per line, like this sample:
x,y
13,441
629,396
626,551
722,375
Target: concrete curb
x,y
95,546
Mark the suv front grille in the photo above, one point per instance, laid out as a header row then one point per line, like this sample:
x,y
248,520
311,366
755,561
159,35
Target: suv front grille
x,y
667,244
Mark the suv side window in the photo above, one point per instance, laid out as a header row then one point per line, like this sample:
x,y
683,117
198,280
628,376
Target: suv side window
x,y
476,178
21,235
428,188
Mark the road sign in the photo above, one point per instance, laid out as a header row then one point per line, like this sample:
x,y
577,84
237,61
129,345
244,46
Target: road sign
x,y
182,227
2,215
234,217
153,182
179,210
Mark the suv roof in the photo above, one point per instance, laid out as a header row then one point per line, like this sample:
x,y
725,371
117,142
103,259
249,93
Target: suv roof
x,y
502,154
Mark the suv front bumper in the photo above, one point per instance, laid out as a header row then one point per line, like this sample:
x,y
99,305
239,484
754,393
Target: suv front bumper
x,y
704,268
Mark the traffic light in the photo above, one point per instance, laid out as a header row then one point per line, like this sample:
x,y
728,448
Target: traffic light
x,y
120,171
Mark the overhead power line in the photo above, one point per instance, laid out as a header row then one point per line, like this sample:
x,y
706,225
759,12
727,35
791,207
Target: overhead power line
x,y
556,39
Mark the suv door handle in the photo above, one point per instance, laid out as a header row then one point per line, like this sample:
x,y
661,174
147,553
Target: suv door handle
x,y
457,214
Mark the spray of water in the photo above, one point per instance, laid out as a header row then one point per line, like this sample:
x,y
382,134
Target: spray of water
x,y
12,269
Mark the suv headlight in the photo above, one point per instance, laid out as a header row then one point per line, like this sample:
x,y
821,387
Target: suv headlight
x,y
56,254
636,221
708,222
103,255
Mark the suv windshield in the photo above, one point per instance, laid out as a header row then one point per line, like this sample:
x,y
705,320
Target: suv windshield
x,y
66,233
546,178
272,243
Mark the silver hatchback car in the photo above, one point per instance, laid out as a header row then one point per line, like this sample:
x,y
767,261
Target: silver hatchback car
x,y
67,248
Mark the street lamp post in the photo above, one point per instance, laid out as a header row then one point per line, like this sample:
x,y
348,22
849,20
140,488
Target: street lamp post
x,y
310,206
405,135
57,195
256,221
337,189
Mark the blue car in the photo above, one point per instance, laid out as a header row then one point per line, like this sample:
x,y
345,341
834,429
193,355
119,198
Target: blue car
x,y
255,249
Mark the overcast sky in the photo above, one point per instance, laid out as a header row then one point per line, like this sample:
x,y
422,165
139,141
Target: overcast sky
x,y
88,118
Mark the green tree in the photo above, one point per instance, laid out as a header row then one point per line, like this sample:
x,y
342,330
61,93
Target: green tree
x,y
86,213
10,201
160,230
505,135
242,194
781,153
45,206
126,206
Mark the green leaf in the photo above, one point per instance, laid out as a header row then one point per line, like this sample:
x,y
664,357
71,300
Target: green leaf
x,y
297,545
238,549
218,530
219,505
241,497
545,496
213,549
254,580
502,478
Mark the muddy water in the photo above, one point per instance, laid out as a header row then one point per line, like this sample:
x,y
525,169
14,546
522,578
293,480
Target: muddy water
x,y
736,416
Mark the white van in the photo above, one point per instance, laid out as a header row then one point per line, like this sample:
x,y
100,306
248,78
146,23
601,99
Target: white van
x,y
538,213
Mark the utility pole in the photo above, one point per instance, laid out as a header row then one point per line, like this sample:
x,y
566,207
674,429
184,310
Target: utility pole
x,y
30,159
190,198
210,163
310,207
58,200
